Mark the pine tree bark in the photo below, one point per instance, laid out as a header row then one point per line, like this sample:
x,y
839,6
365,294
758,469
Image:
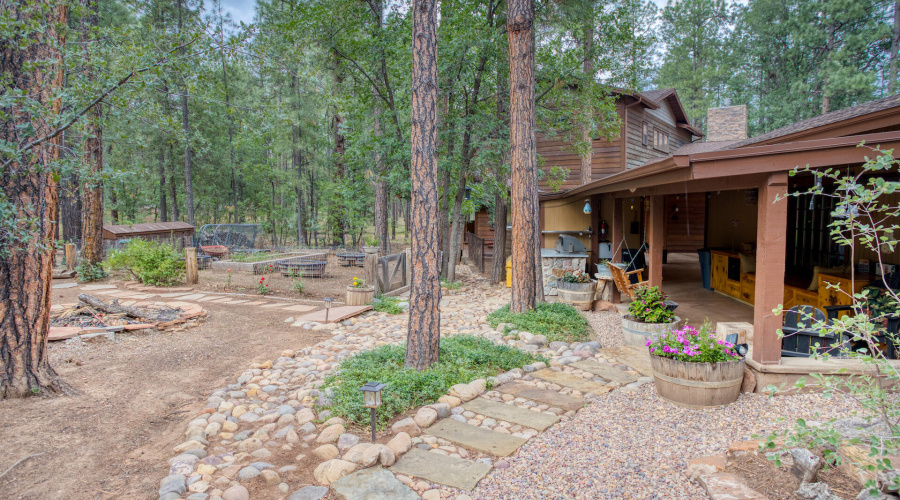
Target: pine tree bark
x,y
526,277
186,129
92,189
423,340
163,208
381,194
30,191
456,225
895,46
70,208
587,45
498,264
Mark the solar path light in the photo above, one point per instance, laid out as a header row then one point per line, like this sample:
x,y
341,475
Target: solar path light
x,y
372,399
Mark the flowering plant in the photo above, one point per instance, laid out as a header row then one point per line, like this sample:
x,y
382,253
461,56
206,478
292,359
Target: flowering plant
x,y
576,277
649,306
262,287
690,344
358,283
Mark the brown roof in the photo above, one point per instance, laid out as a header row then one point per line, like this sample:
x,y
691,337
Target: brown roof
x,y
155,227
703,147
657,95
826,119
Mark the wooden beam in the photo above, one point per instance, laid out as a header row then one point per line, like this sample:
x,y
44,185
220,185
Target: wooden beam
x,y
616,234
595,234
698,186
770,256
656,239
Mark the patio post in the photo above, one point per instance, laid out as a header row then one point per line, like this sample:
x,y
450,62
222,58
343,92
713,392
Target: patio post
x,y
656,239
770,255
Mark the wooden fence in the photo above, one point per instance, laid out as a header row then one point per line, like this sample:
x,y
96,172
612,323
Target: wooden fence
x,y
389,274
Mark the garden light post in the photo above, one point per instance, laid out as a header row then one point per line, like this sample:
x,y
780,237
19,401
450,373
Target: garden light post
x,y
372,399
328,301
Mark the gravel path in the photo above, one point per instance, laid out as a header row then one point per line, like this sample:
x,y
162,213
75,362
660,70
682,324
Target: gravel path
x,y
607,327
634,445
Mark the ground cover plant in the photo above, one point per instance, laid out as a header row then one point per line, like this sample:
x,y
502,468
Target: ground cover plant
x,y
388,305
149,262
556,321
463,358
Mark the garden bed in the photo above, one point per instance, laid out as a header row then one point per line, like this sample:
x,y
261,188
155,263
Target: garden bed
x,y
777,483
267,264
556,321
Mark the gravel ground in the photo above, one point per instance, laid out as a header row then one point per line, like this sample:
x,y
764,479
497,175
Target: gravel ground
x,y
634,445
607,327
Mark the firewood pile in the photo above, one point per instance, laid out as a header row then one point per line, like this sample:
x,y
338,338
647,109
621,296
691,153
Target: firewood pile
x,y
92,312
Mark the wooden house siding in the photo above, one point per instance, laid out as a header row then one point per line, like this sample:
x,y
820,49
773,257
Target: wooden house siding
x,y
606,158
662,119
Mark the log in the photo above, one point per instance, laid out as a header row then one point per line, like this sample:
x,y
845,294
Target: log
x,y
191,275
70,256
115,308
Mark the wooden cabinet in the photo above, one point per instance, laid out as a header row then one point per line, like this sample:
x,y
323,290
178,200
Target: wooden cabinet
x,y
742,289
796,296
748,287
719,271
843,294
733,288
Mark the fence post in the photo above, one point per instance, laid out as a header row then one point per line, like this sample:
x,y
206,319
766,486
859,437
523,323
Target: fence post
x,y
408,256
191,274
70,256
370,270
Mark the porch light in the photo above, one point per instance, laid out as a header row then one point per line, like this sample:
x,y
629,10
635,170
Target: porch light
x,y
328,301
587,206
372,399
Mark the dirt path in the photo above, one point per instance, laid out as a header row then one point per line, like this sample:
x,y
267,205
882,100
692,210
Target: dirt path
x,y
114,438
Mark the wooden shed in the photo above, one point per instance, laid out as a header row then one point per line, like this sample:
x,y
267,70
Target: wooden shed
x,y
177,232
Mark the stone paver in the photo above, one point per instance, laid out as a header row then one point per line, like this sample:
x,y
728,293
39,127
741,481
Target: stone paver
x,y
302,308
193,296
98,287
636,357
571,381
275,305
533,393
337,314
210,298
606,371
510,413
476,438
64,285
173,295
725,486
441,469
372,483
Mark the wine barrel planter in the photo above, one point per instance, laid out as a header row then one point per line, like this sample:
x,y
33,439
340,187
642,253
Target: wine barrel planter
x,y
697,385
637,333
580,295
360,296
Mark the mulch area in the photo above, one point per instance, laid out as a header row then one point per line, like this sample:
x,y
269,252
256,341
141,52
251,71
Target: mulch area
x,y
778,483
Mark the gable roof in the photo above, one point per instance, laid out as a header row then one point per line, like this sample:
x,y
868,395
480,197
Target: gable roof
x,y
670,96
824,120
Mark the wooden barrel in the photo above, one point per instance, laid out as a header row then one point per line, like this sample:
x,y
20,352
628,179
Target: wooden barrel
x,y
697,385
637,333
360,296
580,295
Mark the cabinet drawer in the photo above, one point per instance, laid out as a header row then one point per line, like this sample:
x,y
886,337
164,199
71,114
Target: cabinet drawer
x,y
733,288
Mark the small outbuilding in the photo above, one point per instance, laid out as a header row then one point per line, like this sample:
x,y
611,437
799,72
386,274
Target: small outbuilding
x,y
178,233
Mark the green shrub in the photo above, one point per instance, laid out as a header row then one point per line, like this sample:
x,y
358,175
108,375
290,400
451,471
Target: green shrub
x,y
450,285
463,358
556,321
389,305
149,262
90,272
649,306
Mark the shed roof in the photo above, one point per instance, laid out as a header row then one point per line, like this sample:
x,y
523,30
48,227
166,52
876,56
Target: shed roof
x,y
155,227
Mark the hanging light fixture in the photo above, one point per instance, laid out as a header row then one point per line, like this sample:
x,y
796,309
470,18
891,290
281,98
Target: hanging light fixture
x,y
587,206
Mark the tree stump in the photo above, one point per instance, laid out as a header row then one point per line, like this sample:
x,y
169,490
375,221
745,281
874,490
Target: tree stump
x,y
70,256
191,274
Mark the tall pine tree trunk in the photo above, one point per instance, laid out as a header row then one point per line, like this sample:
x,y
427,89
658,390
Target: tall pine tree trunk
x,y
587,44
163,208
29,193
381,194
92,189
895,46
185,126
70,208
456,226
424,334
526,277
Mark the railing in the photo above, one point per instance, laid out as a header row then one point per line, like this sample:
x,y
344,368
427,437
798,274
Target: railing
x,y
476,250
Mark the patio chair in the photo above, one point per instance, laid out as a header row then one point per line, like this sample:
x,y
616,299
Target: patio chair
x,y
891,336
623,283
799,338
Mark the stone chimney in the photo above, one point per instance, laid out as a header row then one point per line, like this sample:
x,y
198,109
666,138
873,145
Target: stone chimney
x,y
727,123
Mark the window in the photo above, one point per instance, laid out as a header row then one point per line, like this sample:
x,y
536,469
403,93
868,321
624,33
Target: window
x,y
646,134
661,141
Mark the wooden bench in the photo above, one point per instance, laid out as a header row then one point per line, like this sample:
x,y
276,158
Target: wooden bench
x,y
623,280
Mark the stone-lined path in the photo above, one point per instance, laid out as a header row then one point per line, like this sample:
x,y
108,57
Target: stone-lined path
x,y
258,436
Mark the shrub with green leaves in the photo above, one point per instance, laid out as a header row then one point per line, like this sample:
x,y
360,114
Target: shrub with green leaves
x,y
556,321
463,358
149,262
388,305
649,306
450,285
88,272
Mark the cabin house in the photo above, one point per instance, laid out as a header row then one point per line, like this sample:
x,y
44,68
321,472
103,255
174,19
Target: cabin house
x,y
719,197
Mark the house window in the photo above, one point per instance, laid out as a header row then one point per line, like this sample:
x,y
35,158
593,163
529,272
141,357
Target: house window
x,y
646,134
661,141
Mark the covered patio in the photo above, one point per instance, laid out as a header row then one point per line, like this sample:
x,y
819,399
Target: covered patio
x,y
747,221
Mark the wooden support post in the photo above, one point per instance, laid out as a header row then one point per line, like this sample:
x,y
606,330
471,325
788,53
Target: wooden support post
x,y
70,256
191,274
771,228
370,268
408,269
656,239
617,235
595,235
